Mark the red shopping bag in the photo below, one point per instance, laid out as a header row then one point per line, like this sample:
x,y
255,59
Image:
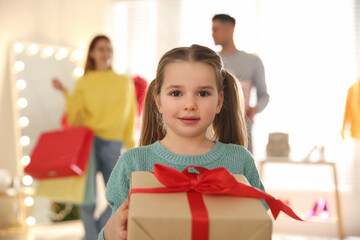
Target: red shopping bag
x,y
61,153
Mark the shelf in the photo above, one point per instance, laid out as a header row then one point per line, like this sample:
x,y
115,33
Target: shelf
x,y
307,228
315,219
283,224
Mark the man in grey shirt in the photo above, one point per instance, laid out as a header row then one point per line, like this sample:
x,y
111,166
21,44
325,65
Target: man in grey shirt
x,y
247,68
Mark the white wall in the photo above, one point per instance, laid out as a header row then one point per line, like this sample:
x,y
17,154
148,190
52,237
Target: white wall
x,y
59,22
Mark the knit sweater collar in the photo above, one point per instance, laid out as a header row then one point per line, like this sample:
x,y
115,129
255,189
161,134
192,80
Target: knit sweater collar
x,y
187,160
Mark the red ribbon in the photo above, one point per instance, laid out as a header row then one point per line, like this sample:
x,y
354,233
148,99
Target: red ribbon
x,y
218,181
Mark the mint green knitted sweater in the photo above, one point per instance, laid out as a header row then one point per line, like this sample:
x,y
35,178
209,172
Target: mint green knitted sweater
x,y
233,157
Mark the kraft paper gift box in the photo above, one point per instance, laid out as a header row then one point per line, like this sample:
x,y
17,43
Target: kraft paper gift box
x,y
164,216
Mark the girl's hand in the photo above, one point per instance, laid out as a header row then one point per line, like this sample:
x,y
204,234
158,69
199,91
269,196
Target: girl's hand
x,y
58,85
116,227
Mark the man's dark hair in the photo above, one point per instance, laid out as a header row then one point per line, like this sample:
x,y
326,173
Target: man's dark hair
x,y
224,18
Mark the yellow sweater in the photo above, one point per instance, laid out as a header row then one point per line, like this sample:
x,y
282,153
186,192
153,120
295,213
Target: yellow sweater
x,y
352,111
105,102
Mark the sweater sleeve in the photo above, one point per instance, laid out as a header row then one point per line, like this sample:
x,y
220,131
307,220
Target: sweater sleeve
x,y
118,187
101,235
260,85
252,175
74,106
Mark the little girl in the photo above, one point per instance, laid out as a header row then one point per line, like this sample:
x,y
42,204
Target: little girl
x,y
191,92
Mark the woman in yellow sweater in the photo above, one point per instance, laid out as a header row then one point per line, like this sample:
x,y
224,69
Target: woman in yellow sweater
x,y
105,102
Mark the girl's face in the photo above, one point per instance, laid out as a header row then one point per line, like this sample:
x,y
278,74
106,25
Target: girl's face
x,y
188,99
102,53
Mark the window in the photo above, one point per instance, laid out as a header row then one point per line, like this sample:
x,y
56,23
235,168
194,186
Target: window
x,y
142,31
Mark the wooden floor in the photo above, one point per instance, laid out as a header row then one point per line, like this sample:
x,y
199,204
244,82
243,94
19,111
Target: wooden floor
x,y
73,230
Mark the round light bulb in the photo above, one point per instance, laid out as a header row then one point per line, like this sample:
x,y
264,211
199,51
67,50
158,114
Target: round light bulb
x,y
25,160
27,180
30,221
48,51
21,84
78,71
76,54
61,54
19,66
33,49
22,102
24,141
18,47
325,215
23,121
29,201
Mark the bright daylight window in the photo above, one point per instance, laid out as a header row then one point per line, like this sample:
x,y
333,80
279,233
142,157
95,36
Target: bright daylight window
x,y
308,49
133,33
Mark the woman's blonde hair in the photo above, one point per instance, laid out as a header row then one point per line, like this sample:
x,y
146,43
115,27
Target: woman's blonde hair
x,y
90,63
229,124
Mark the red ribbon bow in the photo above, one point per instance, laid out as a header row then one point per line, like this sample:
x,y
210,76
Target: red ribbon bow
x,y
218,181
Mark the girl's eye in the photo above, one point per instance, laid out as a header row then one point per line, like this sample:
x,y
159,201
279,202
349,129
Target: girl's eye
x,y
175,93
203,94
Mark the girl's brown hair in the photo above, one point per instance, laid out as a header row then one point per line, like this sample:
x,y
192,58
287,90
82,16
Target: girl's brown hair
x,y
90,63
229,124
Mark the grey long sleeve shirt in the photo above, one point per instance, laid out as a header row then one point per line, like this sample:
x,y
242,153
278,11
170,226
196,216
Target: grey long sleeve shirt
x,y
248,67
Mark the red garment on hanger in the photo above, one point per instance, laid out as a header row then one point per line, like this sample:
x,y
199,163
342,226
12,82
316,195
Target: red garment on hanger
x,y
140,89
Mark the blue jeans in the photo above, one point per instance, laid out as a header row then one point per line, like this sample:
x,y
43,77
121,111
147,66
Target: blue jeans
x,y
106,154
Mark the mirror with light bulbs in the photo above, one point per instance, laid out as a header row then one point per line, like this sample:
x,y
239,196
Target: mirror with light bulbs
x,y
38,106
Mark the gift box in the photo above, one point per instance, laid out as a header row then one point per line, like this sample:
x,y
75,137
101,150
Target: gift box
x,y
160,216
61,153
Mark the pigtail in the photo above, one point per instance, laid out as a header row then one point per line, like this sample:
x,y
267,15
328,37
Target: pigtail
x,y
229,125
152,127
